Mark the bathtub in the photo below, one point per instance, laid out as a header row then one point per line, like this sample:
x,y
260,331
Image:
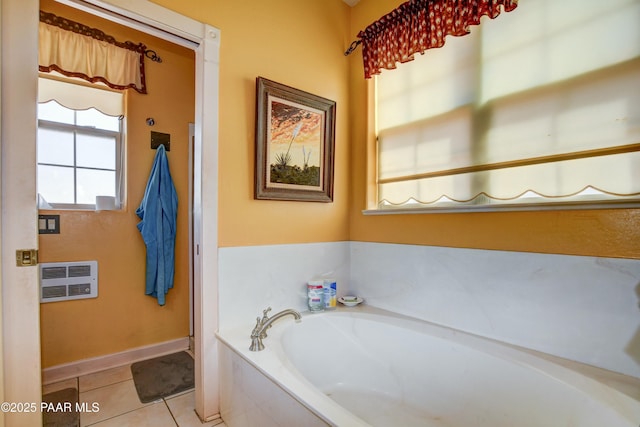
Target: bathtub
x,y
366,367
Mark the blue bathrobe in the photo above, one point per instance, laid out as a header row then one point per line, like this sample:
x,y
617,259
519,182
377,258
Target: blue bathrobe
x,y
158,211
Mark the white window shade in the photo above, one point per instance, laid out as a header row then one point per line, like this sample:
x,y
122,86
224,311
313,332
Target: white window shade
x,y
79,97
540,105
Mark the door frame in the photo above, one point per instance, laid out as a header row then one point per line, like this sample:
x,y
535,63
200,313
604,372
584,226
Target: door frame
x,y
20,299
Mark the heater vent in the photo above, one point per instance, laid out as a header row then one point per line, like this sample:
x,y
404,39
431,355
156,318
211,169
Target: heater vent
x,y
54,273
62,281
79,270
54,292
81,289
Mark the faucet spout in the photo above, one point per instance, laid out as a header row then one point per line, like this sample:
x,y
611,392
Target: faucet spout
x,y
260,330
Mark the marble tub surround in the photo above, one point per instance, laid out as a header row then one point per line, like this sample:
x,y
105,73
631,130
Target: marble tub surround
x,y
252,399
579,308
256,277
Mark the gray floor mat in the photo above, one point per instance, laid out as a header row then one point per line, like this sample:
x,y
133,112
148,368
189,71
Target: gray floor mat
x,y
163,376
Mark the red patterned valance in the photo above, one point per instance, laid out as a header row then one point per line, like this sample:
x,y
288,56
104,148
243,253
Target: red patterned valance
x,y
418,25
76,50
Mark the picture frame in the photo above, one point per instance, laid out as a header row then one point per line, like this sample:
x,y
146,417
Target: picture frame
x,y
295,142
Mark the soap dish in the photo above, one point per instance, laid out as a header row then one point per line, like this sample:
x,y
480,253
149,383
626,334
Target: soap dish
x,y
350,301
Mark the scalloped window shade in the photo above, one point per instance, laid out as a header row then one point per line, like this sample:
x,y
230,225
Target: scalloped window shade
x,y
80,97
539,106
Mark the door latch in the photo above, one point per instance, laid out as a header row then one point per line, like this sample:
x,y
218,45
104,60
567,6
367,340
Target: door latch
x,y
26,257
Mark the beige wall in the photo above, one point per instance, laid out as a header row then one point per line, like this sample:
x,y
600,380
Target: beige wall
x,y
608,233
123,317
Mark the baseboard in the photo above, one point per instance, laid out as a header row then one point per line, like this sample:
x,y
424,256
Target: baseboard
x,y
89,366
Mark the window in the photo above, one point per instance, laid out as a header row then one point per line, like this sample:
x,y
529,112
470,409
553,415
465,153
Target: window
x,y
536,108
79,149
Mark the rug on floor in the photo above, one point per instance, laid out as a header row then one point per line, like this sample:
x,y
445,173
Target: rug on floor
x,y
61,410
163,376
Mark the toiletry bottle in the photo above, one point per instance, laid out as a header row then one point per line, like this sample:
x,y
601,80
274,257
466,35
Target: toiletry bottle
x,y
315,295
330,288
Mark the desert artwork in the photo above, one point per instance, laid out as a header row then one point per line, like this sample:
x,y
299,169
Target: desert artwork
x,y
294,145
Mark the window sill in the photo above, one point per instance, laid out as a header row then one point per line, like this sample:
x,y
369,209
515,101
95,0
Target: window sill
x,y
78,208
628,204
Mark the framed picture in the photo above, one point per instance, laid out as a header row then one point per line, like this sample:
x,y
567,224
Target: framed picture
x,y
295,133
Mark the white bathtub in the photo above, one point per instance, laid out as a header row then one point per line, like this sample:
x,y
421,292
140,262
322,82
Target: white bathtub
x,y
358,367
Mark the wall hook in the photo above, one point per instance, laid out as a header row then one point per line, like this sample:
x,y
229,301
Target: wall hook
x,y
150,121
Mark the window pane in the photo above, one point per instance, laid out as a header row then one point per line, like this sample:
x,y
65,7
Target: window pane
x,y
96,151
55,146
95,118
54,112
542,38
435,83
55,184
92,183
78,145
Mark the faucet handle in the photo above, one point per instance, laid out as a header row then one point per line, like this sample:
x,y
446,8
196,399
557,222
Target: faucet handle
x,y
265,318
256,329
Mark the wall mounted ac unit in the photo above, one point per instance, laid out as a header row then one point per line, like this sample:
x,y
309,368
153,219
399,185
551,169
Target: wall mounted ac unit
x,y
63,281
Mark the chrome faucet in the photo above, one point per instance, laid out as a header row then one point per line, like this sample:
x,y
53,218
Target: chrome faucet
x,y
262,324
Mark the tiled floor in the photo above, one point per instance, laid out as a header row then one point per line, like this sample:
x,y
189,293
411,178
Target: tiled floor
x,y
115,395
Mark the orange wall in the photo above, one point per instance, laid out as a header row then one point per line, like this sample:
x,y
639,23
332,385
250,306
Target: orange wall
x,y
296,43
609,233
123,317
300,44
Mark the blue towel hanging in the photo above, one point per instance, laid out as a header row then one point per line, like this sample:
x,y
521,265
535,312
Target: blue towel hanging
x,y
158,213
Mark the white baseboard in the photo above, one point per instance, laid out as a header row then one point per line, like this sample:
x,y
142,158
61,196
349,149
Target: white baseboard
x,y
89,366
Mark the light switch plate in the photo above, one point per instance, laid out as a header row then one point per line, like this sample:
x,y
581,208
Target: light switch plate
x,y
49,224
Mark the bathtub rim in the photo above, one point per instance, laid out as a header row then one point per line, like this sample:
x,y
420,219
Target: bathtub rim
x,y
617,392
287,378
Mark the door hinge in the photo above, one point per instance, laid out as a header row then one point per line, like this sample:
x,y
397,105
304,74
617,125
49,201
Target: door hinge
x,y
26,257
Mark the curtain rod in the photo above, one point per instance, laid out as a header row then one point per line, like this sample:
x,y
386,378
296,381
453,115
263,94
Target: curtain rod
x,y
352,47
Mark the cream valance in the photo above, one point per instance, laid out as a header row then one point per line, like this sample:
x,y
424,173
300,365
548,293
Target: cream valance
x,y
76,50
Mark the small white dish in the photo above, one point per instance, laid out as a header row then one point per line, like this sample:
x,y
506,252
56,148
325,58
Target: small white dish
x,y
350,301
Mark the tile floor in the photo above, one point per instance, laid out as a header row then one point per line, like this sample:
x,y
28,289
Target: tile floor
x,y
113,390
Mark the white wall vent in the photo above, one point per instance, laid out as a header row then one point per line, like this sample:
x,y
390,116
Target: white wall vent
x,y
62,281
